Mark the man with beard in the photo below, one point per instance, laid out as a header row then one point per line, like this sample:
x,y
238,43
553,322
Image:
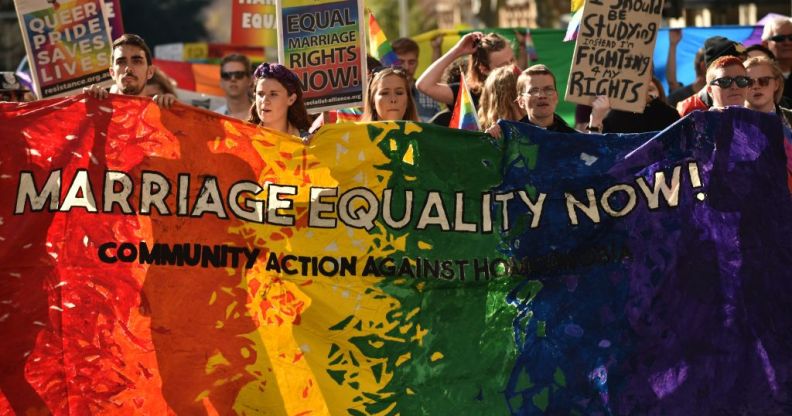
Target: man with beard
x,y
131,69
237,82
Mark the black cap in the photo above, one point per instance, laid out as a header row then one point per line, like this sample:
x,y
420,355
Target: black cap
x,y
718,46
9,81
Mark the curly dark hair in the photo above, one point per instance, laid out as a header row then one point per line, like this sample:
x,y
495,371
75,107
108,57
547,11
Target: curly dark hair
x,y
297,115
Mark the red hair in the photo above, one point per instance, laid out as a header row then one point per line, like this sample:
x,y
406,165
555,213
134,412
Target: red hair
x,y
720,63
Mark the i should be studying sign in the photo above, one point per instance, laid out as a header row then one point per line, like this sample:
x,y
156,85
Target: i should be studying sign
x,y
613,53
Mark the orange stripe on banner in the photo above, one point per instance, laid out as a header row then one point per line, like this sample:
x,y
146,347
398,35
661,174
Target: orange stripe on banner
x,y
207,79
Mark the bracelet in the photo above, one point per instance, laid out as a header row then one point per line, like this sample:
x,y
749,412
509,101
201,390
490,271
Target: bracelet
x,y
592,128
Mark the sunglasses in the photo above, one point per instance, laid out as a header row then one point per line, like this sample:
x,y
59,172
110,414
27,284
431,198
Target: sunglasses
x,y
762,81
233,75
726,82
781,38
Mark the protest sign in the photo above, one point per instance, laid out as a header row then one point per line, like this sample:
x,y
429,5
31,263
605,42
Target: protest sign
x,y
320,41
181,51
613,53
69,46
113,8
173,261
254,23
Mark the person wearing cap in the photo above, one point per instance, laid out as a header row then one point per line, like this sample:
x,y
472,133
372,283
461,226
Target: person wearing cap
x,y
11,88
130,70
714,48
777,36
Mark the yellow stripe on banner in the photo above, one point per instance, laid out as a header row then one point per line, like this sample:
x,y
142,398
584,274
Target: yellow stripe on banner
x,y
295,349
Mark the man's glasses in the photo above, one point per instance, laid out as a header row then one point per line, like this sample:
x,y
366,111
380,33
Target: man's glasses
x,y
538,91
762,81
726,82
781,38
233,74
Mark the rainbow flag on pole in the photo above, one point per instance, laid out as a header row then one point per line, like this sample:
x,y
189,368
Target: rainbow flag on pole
x,y
574,26
379,47
464,115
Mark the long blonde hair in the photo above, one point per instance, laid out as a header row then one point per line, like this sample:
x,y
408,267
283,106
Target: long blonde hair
x,y
498,97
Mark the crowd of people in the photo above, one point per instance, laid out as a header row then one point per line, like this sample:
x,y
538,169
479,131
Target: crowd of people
x,y
271,95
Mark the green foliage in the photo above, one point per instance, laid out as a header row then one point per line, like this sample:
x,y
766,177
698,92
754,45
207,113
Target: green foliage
x,y
421,16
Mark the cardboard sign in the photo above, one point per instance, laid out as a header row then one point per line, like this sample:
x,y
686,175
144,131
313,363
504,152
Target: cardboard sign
x,y
69,45
613,53
321,43
254,23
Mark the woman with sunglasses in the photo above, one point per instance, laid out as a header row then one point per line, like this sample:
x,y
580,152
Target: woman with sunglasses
x,y
389,97
767,89
278,101
727,82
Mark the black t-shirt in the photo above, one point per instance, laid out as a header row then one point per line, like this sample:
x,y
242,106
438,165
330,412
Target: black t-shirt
x,y
558,125
680,94
455,89
656,116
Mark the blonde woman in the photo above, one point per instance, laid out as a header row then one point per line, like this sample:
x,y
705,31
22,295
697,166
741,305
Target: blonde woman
x,y
767,89
499,98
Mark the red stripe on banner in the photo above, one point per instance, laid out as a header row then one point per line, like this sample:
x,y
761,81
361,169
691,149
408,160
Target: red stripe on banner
x,y
181,72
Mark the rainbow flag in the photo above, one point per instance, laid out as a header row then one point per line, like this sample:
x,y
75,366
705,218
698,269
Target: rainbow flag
x,y
629,274
379,47
464,115
574,26
348,114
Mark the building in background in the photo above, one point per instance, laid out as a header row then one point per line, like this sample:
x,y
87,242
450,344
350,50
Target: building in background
x,y
555,14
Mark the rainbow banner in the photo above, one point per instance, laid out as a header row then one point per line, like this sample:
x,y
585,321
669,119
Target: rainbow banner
x,y
379,46
68,45
320,41
181,262
464,115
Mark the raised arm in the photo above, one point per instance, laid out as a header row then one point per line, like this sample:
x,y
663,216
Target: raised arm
x,y
431,84
674,36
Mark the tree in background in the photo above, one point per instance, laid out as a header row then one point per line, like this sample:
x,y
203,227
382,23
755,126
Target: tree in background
x,y
11,47
422,16
165,21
